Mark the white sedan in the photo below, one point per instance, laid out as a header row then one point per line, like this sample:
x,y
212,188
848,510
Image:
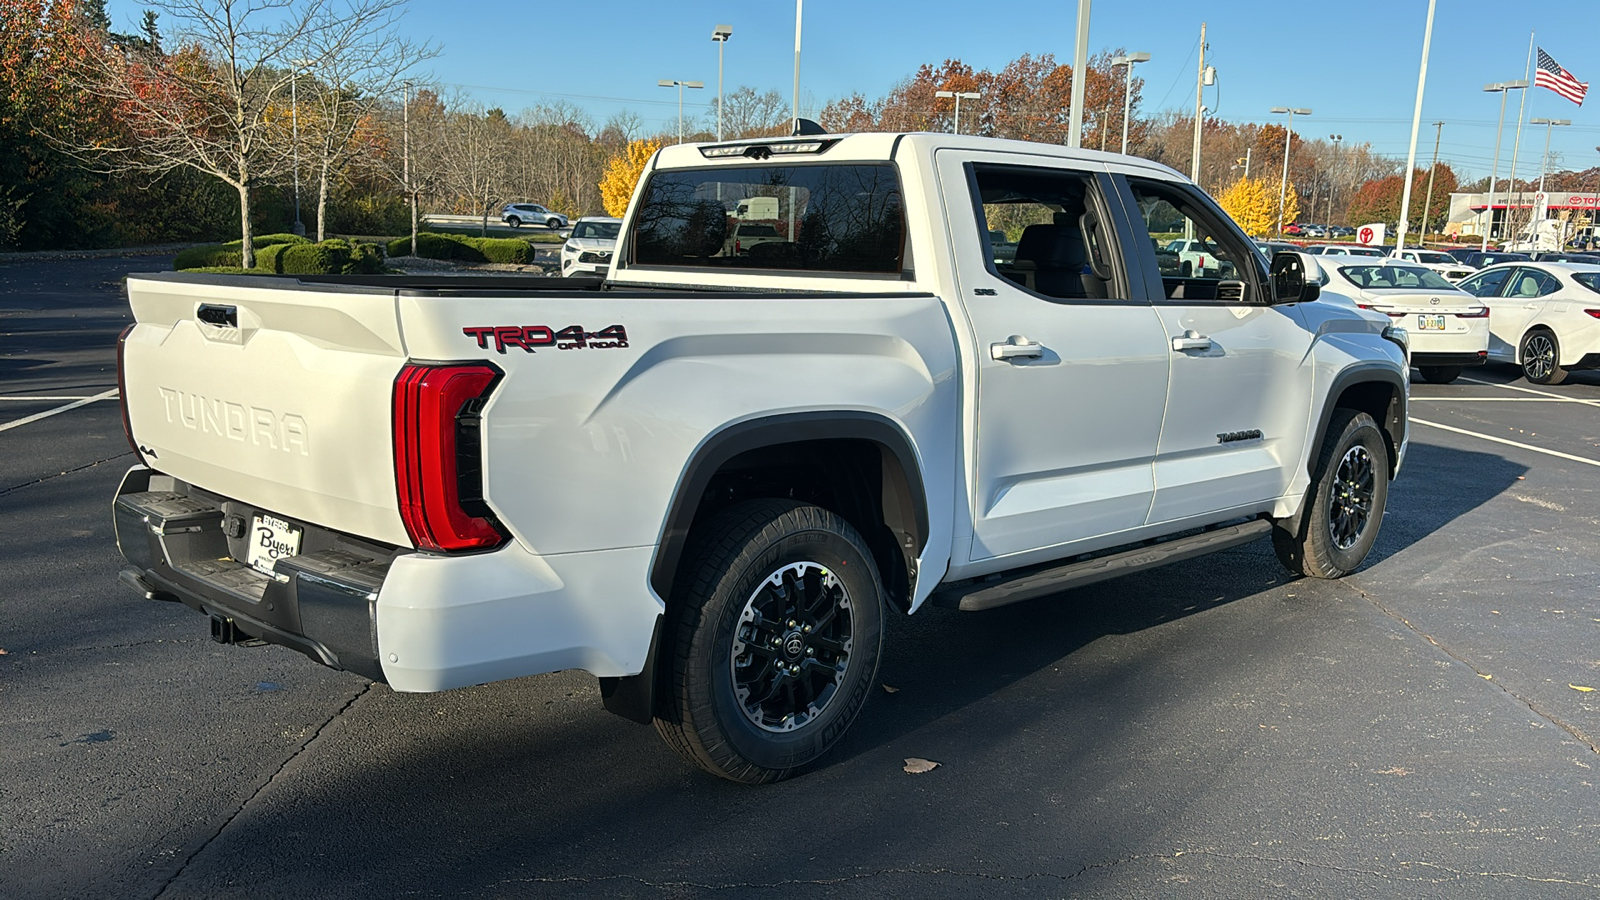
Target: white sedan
x,y
588,250
1544,317
1451,268
1448,327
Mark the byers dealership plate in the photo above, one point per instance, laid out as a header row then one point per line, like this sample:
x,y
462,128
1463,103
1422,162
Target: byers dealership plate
x,y
272,539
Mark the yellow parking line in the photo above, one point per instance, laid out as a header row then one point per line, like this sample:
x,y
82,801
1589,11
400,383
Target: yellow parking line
x,y
1500,440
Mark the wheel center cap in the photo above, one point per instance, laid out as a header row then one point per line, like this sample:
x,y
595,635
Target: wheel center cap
x,y
793,646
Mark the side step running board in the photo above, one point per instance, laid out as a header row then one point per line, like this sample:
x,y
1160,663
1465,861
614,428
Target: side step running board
x,y
1028,585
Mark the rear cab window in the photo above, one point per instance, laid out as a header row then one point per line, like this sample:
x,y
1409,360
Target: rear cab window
x,y
845,218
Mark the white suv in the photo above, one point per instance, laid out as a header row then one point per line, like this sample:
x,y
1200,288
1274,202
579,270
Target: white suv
x,y
518,214
588,249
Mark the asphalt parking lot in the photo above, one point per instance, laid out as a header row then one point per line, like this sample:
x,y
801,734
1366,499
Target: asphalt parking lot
x,y
1423,728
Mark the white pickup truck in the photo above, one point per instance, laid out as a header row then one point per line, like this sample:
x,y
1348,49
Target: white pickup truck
x,y
712,481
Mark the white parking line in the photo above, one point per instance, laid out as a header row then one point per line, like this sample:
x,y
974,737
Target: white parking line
x,y
1513,387
1415,398
1499,440
60,409
24,398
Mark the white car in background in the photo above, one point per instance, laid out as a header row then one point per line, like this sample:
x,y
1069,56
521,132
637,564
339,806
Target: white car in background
x,y
1544,317
1195,258
1451,268
1345,250
1449,328
588,249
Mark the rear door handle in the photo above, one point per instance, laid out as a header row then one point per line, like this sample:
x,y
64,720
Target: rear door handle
x,y
1191,340
1016,347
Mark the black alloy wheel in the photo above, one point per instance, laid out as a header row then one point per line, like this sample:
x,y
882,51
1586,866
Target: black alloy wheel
x,y
1541,358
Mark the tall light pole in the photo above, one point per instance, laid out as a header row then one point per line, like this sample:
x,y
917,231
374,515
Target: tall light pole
x,y
720,34
1288,138
680,85
1080,77
1544,161
1516,143
1333,177
1416,122
797,9
1127,89
959,95
1501,88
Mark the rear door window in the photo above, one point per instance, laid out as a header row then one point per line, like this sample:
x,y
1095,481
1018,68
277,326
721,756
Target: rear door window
x,y
1486,284
1049,231
845,218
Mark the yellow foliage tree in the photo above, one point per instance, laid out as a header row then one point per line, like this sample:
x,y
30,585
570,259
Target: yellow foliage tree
x,y
1253,203
622,175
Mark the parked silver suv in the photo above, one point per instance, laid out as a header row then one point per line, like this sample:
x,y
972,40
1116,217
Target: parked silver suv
x,y
518,214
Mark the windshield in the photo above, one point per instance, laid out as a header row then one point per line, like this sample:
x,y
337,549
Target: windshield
x,y
601,231
1395,278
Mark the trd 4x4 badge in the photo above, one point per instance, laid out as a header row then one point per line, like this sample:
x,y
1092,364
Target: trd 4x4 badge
x,y
531,337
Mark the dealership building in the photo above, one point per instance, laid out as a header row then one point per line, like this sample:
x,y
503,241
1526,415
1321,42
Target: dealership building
x,y
1473,214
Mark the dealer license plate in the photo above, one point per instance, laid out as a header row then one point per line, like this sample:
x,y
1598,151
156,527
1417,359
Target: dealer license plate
x,y
272,539
1430,323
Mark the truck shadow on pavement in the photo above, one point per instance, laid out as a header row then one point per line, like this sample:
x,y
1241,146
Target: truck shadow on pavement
x,y
530,786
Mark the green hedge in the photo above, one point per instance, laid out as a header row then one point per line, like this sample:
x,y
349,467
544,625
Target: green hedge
x,y
294,256
231,253
432,245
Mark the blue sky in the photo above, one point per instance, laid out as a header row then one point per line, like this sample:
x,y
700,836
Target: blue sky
x,y
1353,63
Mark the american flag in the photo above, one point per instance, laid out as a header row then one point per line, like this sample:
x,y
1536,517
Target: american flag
x,y
1557,79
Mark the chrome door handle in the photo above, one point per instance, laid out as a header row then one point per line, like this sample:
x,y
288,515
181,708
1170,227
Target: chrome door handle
x,y
1191,340
1016,347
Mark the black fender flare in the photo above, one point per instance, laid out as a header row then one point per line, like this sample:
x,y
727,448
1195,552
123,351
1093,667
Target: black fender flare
x,y
1393,423
905,510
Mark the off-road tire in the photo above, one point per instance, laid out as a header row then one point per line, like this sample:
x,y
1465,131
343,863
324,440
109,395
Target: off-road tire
x,y
1541,357
729,571
1321,541
1439,374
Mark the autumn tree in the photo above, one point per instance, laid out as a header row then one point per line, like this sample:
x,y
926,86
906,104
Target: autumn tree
x,y
748,113
477,144
622,175
1252,204
356,60
1379,200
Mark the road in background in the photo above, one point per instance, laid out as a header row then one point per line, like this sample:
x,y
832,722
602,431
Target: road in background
x,y
1213,728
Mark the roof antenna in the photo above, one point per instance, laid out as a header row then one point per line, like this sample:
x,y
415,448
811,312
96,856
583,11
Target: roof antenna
x,y
807,127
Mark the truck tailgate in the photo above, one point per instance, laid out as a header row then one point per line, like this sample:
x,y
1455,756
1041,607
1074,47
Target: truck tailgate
x,y
275,396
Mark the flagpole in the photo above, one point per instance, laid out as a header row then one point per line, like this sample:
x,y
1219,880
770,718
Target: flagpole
x,y
1512,211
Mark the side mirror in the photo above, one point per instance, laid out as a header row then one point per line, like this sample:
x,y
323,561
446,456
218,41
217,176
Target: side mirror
x,y
1291,278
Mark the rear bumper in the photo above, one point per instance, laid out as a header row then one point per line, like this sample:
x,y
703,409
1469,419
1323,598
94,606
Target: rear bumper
x,y
1450,359
417,621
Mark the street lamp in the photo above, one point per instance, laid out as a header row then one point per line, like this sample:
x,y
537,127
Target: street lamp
x,y
1127,89
720,34
1288,137
1333,176
294,119
680,85
1501,88
1544,161
959,95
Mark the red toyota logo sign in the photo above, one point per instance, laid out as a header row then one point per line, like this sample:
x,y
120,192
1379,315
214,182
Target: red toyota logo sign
x,y
1365,235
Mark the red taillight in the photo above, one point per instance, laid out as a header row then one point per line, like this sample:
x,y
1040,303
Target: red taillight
x,y
122,393
428,456
1592,312
1481,312
736,245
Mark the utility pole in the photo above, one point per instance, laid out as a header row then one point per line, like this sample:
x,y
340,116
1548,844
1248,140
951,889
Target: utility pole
x,y
1427,205
1333,175
1080,78
1199,98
